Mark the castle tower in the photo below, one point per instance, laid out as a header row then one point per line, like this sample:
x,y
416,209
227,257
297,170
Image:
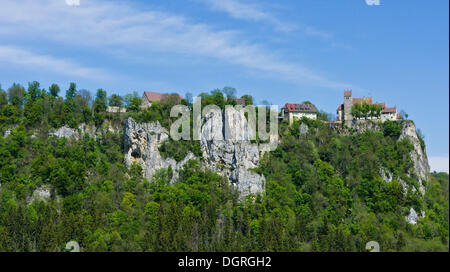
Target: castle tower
x,y
348,107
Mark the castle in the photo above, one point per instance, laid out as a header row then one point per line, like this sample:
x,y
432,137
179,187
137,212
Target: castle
x,y
344,111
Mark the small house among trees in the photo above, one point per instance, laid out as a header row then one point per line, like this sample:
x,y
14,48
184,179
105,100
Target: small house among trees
x,y
149,97
291,111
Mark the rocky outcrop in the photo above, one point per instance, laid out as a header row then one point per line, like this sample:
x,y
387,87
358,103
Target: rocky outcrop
x,y
413,217
227,149
418,155
233,157
141,142
421,168
388,177
65,132
42,193
91,130
362,125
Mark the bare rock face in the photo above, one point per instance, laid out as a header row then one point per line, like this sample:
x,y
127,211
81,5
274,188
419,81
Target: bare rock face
x,y
91,130
388,177
65,132
412,218
232,157
418,155
141,143
42,193
362,125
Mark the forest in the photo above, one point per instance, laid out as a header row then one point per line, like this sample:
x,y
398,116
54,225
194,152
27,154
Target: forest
x,y
323,191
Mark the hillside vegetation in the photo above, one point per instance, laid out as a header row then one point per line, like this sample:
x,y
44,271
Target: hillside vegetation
x,y
323,188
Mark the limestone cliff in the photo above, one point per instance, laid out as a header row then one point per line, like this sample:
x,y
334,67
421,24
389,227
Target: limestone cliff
x,y
91,130
141,143
418,155
233,158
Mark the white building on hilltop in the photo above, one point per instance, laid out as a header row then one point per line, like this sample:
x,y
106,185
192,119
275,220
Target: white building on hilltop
x,y
298,111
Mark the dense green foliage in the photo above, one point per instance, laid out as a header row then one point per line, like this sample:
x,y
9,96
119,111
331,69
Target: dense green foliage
x,y
331,185
323,189
365,110
180,149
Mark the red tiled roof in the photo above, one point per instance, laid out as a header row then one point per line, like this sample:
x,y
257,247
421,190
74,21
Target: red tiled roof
x,y
389,110
367,100
300,108
383,105
152,96
347,93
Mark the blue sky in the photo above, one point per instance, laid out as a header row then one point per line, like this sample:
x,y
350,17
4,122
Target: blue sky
x,y
280,51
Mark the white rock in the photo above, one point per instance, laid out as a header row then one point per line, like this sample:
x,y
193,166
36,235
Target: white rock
x,y
418,155
141,143
65,132
412,217
41,193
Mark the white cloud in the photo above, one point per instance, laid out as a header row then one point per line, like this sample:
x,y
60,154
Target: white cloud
x,y
104,25
26,59
247,11
239,9
439,164
73,2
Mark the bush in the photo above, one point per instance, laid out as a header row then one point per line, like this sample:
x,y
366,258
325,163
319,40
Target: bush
x,y
392,129
178,150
